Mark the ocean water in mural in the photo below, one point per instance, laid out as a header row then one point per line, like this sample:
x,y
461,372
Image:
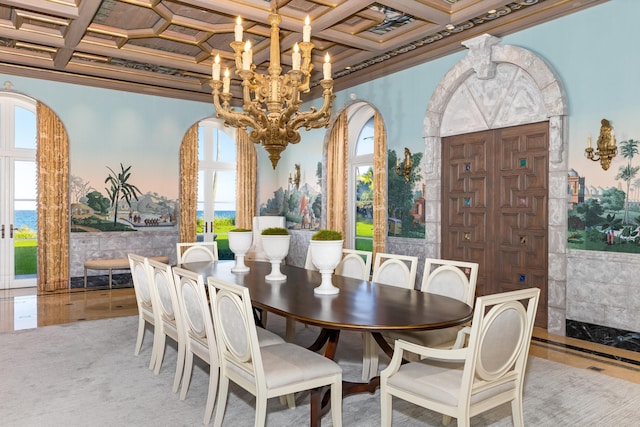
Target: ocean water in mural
x,y
92,210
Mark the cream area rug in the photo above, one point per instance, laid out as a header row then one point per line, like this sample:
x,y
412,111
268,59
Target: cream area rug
x,y
85,374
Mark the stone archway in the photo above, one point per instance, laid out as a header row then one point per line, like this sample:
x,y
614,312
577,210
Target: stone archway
x,y
497,86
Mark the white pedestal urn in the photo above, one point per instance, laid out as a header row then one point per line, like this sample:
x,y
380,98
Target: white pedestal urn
x,y
240,243
276,248
326,255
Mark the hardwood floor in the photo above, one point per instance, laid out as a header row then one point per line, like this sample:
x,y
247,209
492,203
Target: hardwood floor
x,y
23,309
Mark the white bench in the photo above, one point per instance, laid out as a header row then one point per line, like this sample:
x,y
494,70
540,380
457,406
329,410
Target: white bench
x,y
113,264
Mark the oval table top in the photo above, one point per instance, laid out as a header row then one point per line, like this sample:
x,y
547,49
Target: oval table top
x,y
359,306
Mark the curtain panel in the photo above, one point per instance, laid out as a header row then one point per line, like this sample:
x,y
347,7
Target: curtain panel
x,y
380,185
189,184
52,159
337,168
246,172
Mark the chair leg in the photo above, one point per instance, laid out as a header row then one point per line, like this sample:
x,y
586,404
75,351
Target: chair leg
x,y
179,367
223,391
289,400
261,410
211,396
336,403
159,342
370,357
386,410
517,413
290,330
141,325
186,376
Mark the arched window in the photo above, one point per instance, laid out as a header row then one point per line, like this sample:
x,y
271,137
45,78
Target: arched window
x,y
18,191
360,178
216,206
357,149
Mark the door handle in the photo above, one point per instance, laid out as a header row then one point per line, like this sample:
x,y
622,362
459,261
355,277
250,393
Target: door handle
x,y
205,227
11,231
3,231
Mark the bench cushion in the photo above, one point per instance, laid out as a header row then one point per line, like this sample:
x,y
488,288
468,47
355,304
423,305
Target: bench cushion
x,y
116,264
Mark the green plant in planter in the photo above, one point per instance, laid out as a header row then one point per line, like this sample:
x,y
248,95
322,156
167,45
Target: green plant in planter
x,y
327,235
275,231
239,230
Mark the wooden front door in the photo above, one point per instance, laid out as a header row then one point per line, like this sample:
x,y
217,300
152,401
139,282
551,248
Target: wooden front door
x,y
495,207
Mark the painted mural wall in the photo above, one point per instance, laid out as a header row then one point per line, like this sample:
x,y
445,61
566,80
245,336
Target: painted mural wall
x,y
108,129
603,206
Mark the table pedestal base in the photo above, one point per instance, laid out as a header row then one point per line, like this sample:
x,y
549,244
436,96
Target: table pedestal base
x,y
321,398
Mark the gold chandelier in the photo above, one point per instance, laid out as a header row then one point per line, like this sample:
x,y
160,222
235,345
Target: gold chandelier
x,y
271,101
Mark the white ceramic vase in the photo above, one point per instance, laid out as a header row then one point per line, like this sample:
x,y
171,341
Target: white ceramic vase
x,y
240,243
326,255
276,248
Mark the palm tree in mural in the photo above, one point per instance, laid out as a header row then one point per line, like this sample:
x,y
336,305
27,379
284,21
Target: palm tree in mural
x,y
627,173
120,188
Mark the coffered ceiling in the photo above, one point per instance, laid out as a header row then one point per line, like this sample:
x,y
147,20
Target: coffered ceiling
x,y
165,47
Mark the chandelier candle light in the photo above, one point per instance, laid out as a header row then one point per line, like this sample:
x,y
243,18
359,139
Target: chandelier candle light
x,y
271,101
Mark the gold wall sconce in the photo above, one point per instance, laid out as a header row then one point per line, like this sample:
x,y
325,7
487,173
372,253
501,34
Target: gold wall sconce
x,y
404,169
606,146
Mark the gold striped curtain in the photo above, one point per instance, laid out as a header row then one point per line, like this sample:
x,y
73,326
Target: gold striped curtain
x,y
246,171
189,184
52,159
337,155
380,185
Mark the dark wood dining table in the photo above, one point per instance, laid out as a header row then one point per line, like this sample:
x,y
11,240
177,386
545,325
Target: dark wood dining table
x,y
359,306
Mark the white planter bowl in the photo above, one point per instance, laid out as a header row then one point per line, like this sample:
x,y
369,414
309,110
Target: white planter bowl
x,y
326,255
276,249
240,243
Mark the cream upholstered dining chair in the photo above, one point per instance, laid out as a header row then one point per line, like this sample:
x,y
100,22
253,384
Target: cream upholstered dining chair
x,y
256,252
198,332
393,270
355,263
197,252
168,317
461,383
264,371
455,279
142,287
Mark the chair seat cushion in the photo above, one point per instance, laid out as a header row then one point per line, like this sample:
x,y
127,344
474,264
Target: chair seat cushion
x,y
438,382
266,337
290,364
437,338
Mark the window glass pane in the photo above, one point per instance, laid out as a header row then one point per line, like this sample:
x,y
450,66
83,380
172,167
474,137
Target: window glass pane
x,y
200,187
25,128
25,180
365,139
225,147
364,207
224,190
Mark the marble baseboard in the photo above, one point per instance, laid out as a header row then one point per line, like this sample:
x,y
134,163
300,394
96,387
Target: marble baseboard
x,y
627,340
102,281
